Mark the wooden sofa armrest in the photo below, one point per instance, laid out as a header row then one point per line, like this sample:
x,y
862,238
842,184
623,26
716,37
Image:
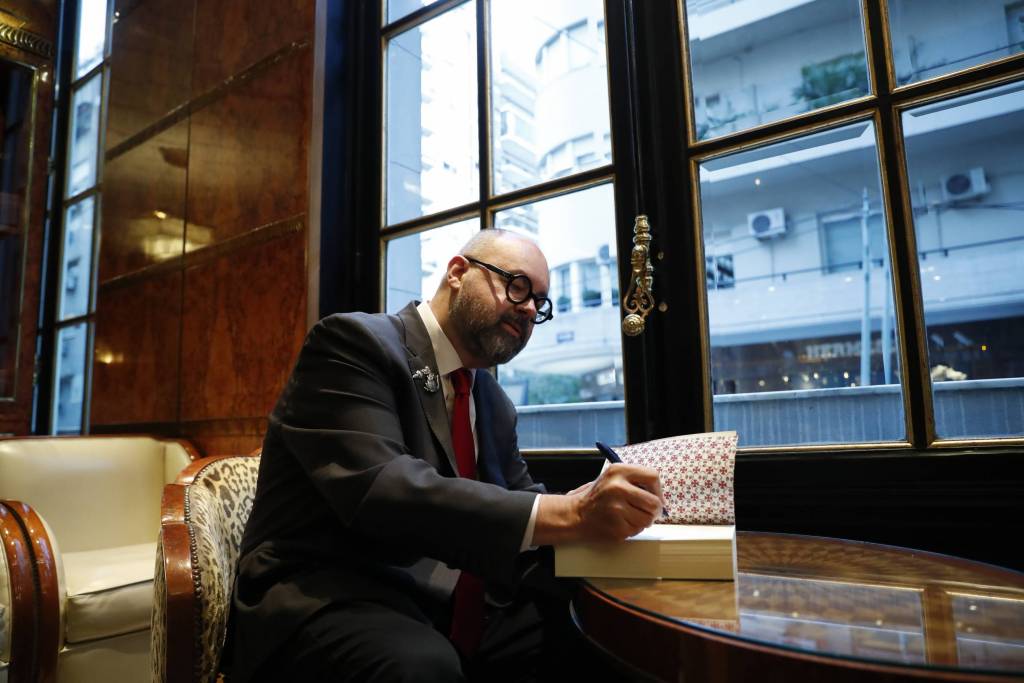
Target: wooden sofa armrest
x,y
35,593
180,599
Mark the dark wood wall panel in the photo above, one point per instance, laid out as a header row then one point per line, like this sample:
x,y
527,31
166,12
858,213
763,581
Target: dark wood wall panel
x,y
143,214
243,326
150,64
227,436
201,308
135,375
268,26
248,153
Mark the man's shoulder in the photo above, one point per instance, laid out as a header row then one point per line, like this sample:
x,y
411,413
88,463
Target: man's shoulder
x,y
381,325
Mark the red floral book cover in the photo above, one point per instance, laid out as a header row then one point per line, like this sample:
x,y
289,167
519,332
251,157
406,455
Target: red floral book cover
x,y
696,475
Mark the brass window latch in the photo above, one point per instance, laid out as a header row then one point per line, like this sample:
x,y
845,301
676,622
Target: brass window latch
x,y
639,299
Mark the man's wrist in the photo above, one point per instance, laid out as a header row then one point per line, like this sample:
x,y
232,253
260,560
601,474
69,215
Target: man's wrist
x,y
558,519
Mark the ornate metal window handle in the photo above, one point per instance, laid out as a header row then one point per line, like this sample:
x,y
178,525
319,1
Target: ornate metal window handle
x,y
639,299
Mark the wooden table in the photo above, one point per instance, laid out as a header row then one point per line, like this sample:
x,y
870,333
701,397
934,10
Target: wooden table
x,y
806,609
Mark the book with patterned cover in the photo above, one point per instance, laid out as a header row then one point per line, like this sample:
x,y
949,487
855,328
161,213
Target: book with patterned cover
x,y
696,475
696,536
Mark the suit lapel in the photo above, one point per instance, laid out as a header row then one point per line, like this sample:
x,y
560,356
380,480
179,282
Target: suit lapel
x,y
421,355
488,464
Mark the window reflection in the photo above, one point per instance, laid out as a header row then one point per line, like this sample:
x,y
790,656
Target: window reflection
x,y
567,383
83,142
549,90
935,37
964,163
92,31
989,631
69,379
746,72
849,619
396,9
416,263
800,303
431,117
76,257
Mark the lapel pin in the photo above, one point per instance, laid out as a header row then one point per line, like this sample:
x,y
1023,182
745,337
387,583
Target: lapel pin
x,y
430,379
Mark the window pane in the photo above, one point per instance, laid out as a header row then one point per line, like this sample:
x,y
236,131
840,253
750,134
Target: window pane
x,y
549,90
416,263
799,289
92,34
433,154
754,62
76,269
399,8
964,162
85,133
935,37
567,382
69,379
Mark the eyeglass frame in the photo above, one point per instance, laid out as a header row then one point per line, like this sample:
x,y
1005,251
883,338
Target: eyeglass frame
x,y
509,277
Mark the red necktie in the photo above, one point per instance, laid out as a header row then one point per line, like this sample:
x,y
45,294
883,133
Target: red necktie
x,y
468,611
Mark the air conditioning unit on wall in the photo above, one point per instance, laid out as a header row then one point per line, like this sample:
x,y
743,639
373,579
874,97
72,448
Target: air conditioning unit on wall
x,y
767,224
964,185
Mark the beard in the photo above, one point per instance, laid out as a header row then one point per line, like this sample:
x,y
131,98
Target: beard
x,y
481,329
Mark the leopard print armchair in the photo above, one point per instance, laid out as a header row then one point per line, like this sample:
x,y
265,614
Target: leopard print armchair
x,y
204,514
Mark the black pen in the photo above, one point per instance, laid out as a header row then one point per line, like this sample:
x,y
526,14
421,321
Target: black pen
x,y
608,453
613,458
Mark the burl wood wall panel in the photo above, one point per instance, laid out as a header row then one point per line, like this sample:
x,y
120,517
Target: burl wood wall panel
x,y
202,294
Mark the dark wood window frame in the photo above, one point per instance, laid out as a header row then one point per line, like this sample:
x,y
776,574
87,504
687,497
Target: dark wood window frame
x,y
941,496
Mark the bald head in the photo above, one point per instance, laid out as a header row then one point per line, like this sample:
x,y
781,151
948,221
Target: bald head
x,y
472,305
487,243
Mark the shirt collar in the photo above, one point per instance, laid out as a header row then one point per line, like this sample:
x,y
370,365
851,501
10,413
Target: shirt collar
x,y
444,353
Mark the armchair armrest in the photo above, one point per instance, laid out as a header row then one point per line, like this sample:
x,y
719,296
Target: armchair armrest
x,y
174,609
34,580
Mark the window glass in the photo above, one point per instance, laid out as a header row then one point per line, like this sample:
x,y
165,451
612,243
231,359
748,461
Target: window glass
x,y
567,382
400,8
76,257
433,153
935,37
69,379
92,35
83,139
747,70
416,263
803,344
843,238
549,90
965,163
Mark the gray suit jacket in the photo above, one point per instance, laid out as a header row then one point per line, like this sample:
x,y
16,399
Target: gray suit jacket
x,y
357,497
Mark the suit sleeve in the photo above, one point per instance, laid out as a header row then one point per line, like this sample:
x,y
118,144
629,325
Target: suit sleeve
x,y
339,418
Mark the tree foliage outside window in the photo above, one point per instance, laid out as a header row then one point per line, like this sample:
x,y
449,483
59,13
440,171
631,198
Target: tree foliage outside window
x,y
547,388
834,80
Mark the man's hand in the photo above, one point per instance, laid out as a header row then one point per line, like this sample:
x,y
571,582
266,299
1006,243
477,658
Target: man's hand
x,y
623,501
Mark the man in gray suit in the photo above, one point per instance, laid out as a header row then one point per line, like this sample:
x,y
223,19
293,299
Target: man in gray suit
x,y
363,533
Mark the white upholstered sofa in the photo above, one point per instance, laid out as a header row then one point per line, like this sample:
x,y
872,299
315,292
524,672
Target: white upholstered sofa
x,y
79,519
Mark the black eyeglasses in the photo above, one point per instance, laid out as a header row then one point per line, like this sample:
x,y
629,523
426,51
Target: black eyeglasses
x,y
519,290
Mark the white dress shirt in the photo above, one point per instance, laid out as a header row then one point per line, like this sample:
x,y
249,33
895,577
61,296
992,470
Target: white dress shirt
x,y
448,361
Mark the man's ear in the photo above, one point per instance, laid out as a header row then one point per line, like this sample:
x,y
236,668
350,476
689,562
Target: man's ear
x,y
458,266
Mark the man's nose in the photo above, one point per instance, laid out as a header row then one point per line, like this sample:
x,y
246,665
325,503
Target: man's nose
x,y
528,308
